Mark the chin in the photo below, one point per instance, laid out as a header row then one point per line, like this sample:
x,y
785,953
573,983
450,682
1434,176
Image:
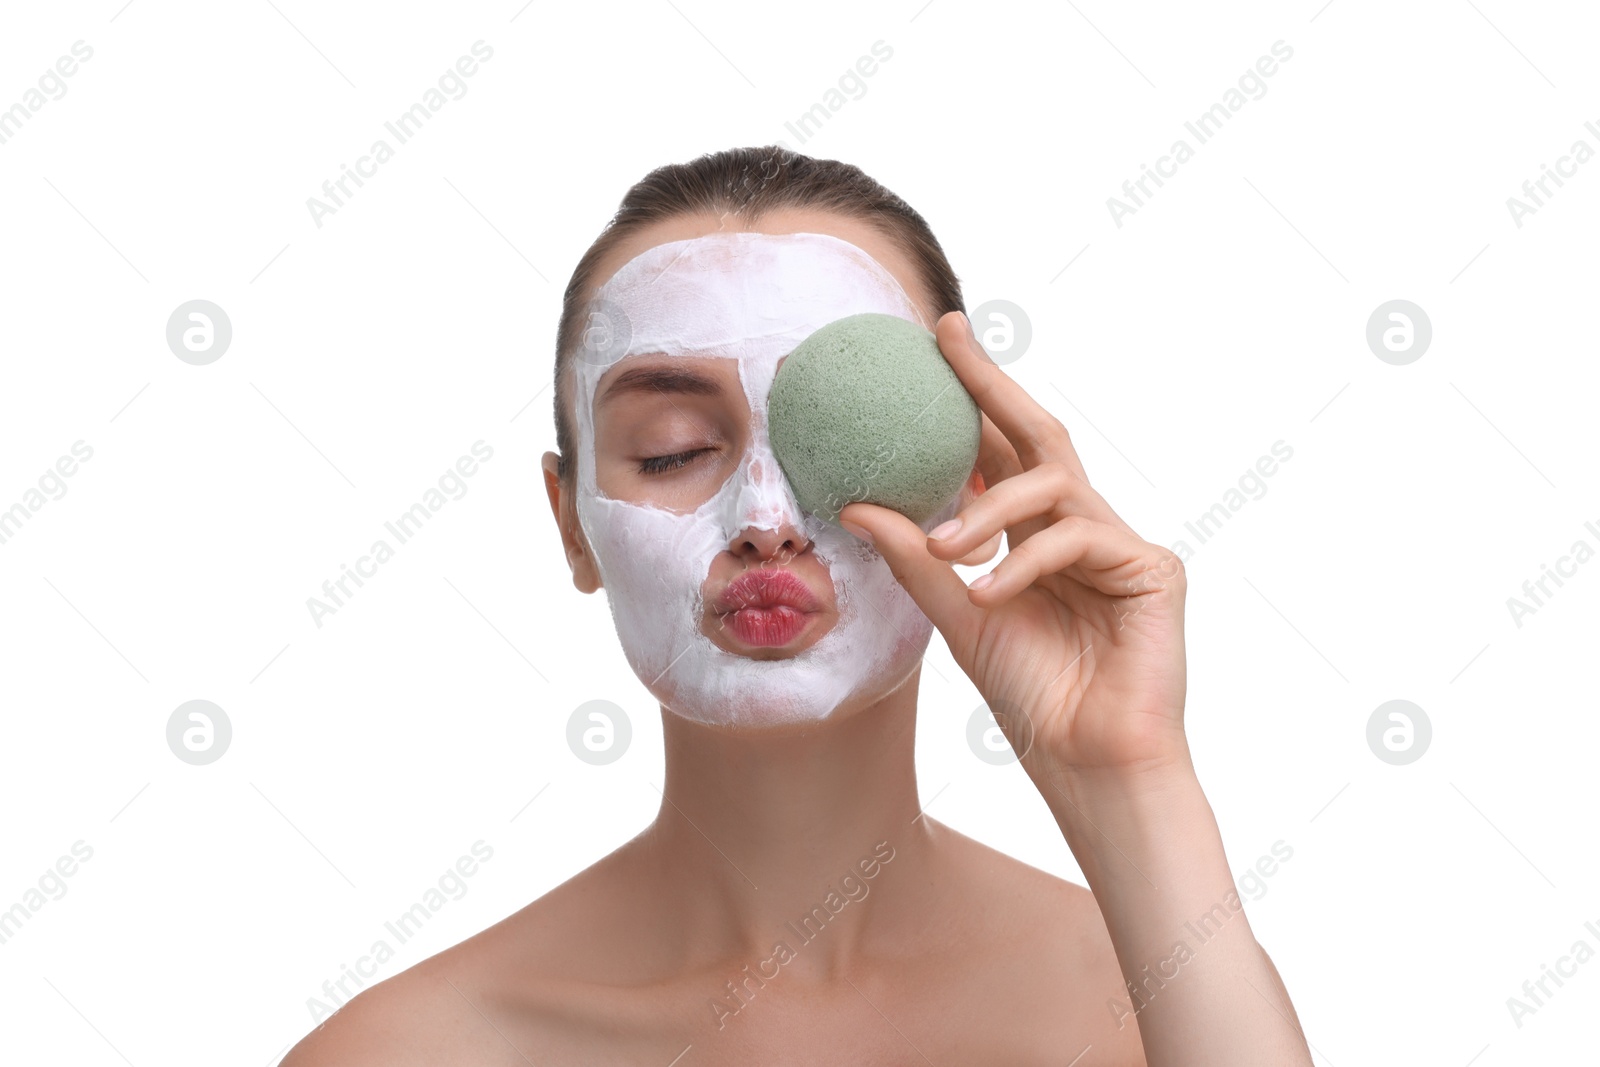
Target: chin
x,y
841,674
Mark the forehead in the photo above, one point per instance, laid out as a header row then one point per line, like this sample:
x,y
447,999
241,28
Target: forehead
x,y
865,236
741,295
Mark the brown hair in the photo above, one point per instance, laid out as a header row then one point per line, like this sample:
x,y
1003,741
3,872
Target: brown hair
x,y
746,183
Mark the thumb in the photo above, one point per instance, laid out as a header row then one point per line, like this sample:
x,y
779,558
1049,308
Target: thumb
x,y
932,583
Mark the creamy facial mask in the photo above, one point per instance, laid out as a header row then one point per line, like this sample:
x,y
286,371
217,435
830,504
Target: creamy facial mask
x,y
752,298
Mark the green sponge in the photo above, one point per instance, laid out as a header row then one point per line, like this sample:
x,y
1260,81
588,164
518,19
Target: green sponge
x,y
866,408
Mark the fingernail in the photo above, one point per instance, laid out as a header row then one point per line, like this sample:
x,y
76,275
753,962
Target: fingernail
x,y
945,530
979,583
973,337
859,531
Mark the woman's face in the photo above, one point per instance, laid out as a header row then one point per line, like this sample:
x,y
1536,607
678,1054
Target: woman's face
x,y
732,605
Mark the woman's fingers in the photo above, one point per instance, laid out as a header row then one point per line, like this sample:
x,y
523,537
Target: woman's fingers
x,y
932,583
1035,435
997,394
1026,505
1114,561
997,460
978,556
976,486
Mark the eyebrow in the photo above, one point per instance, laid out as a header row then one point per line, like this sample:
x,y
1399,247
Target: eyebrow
x,y
663,380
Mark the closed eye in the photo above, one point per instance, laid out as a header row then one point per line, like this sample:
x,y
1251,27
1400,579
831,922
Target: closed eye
x,y
666,464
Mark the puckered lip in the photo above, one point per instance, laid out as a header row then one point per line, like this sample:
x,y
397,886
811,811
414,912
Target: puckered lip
x,y
765,587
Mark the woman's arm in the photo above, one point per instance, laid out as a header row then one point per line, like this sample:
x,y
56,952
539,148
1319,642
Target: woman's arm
x,y
1202,990
1076,643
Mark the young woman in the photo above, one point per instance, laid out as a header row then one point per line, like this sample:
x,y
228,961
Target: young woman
x,y
790,903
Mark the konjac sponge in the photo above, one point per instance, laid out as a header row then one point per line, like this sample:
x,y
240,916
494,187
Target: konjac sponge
x,y
866,408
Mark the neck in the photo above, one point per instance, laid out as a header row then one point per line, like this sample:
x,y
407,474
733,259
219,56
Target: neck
x,y
758,829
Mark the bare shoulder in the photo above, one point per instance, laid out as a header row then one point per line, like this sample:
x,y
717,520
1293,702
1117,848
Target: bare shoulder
x,y
1030,900
408,1020
1051,932
515,990
461,1009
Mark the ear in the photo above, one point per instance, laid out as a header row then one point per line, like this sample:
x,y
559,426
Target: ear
x,y
585,575
985,552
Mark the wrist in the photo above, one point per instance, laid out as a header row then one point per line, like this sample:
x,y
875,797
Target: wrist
x,y
1154,781
1154,817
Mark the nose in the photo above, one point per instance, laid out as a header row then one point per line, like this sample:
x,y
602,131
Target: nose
x,y
766,520
756,546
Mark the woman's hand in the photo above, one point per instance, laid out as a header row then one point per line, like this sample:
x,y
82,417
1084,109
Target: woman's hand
x,y
1077,646
1080,631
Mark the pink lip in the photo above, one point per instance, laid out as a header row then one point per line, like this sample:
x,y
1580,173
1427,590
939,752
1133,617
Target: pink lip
x,y
767,627
766,607
766,588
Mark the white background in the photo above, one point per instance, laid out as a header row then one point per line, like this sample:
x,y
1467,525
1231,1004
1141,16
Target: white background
x,y
368,354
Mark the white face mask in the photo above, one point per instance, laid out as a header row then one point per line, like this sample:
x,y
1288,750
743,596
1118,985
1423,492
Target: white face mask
x,y
749,297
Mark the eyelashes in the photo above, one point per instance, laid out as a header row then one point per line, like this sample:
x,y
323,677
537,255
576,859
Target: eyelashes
x,y
667,464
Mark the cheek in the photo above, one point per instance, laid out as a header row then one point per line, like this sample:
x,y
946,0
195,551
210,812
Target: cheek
x,y
650,559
